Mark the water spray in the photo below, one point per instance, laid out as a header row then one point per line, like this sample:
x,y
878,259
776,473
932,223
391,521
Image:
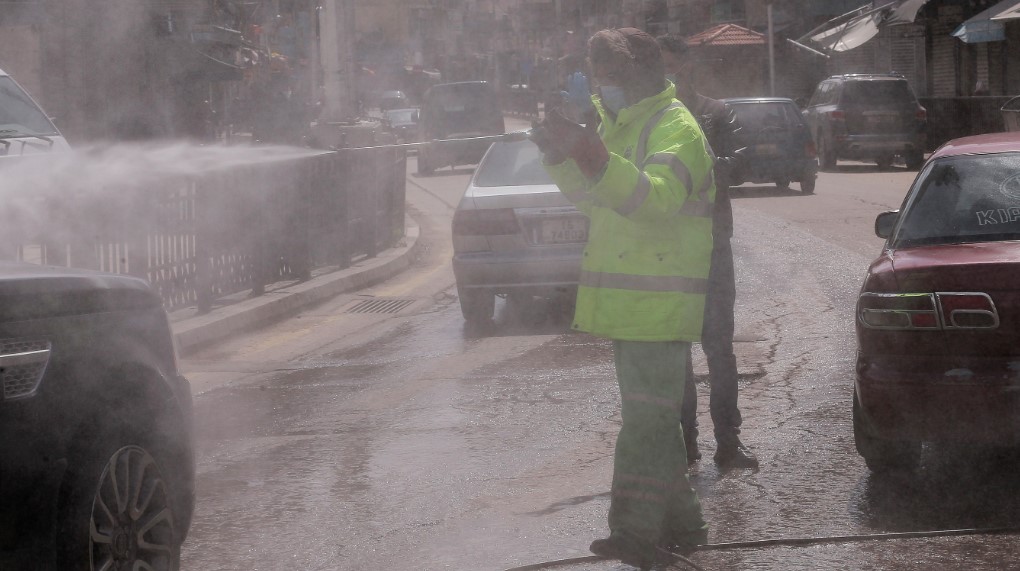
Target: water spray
x,y
511,137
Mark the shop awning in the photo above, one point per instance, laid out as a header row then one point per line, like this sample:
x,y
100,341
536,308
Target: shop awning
x,y
858,26
1011,13
982,28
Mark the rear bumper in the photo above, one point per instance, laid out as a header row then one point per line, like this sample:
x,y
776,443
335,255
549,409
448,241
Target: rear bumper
x,y
762,169
931,400
869,146
548,270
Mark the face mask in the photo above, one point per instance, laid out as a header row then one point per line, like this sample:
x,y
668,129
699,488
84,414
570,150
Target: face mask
x,y
613,97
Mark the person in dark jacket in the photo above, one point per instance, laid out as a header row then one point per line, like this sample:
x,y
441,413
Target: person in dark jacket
x,y
719,123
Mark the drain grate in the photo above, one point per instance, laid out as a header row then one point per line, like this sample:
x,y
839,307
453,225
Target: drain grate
x,y
379,306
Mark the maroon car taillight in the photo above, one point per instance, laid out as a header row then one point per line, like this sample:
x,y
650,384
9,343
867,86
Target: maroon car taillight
x,y
927,311
897,311
921,115
810,150
967,311
837,115
497,221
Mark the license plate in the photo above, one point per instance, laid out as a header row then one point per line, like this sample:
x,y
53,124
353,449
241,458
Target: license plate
x,y
767,149
564,230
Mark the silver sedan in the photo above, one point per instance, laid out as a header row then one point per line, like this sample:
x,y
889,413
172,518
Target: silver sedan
x,y
514,233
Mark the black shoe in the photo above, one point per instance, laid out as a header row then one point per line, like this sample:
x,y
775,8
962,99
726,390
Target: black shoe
x,y
735,455
625,552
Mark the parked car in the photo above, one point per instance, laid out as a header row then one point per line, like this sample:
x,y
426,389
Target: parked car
x,y
514,233
938,316
402,123
777,145
98,465
24,126
459,110
392,100
867,117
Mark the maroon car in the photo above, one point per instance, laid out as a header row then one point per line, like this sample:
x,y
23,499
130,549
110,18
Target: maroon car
x,y
938,317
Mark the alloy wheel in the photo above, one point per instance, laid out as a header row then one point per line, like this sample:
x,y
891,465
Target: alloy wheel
x,y
132,523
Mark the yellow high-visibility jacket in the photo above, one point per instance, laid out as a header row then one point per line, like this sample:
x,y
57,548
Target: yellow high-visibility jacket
x,y
645,269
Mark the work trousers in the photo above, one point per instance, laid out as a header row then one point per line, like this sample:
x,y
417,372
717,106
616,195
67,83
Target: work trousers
x,y
717,335
652,499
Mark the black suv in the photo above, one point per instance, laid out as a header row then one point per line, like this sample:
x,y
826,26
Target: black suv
x,y
461,110
97,468
867,116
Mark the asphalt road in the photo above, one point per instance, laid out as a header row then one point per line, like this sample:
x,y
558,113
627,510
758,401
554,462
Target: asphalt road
x,y
403,441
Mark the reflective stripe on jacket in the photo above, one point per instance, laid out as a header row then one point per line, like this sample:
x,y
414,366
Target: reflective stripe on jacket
x,y
645,269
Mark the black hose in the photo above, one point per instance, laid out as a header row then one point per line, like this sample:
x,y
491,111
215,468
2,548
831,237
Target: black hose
x,y
801,541
789,541
594,558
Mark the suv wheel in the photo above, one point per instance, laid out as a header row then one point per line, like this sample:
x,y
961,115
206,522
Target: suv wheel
x,y
880,455
783,184
476,305
884,162
117,510
826,156
914,159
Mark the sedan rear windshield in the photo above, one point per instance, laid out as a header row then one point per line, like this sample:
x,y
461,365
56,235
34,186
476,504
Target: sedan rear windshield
x,y
512,164
777,115
973,198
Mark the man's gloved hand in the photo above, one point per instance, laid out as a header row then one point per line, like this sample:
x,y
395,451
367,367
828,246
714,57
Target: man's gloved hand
x,y
552,150
563,138
730,167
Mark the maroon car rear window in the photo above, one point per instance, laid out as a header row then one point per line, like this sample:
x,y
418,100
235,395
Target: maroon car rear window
x,y
970,198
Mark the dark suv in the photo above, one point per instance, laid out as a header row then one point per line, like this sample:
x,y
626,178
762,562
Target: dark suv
x,y
98,465
461,110
867,117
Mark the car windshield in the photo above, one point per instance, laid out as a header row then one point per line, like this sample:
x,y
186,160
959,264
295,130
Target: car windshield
x,y
970,198
877,93
19,116
764,115
402,115
512,164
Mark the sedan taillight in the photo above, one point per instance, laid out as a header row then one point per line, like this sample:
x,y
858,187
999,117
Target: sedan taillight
x,y
927,311
495,221
921,115
967,311
837,115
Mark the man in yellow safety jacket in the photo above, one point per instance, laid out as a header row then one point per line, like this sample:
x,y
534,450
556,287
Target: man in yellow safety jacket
x,y
645,179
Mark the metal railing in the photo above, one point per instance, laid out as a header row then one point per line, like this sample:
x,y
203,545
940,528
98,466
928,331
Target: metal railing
x,y
200,238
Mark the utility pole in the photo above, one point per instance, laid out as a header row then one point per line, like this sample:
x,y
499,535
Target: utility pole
x,y
338,124
339,79
772,52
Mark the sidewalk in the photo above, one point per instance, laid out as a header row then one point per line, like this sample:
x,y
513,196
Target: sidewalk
x,y
243,312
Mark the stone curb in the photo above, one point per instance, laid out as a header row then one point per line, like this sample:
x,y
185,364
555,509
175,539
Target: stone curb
x,y
242,313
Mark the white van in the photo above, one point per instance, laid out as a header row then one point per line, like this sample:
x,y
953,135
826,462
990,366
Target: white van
x,y
24,127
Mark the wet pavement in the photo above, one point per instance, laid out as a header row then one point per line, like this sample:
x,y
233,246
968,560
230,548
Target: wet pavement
x,y
410,442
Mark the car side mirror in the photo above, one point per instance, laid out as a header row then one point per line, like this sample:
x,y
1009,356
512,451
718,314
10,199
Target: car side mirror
x,y
886,222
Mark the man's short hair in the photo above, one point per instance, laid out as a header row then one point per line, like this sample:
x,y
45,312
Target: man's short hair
x,y
632,51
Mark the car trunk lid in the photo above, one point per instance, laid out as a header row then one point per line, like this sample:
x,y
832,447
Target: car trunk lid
x,y
969,272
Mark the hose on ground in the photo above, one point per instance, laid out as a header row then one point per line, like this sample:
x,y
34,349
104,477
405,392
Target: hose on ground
x,y
788,542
